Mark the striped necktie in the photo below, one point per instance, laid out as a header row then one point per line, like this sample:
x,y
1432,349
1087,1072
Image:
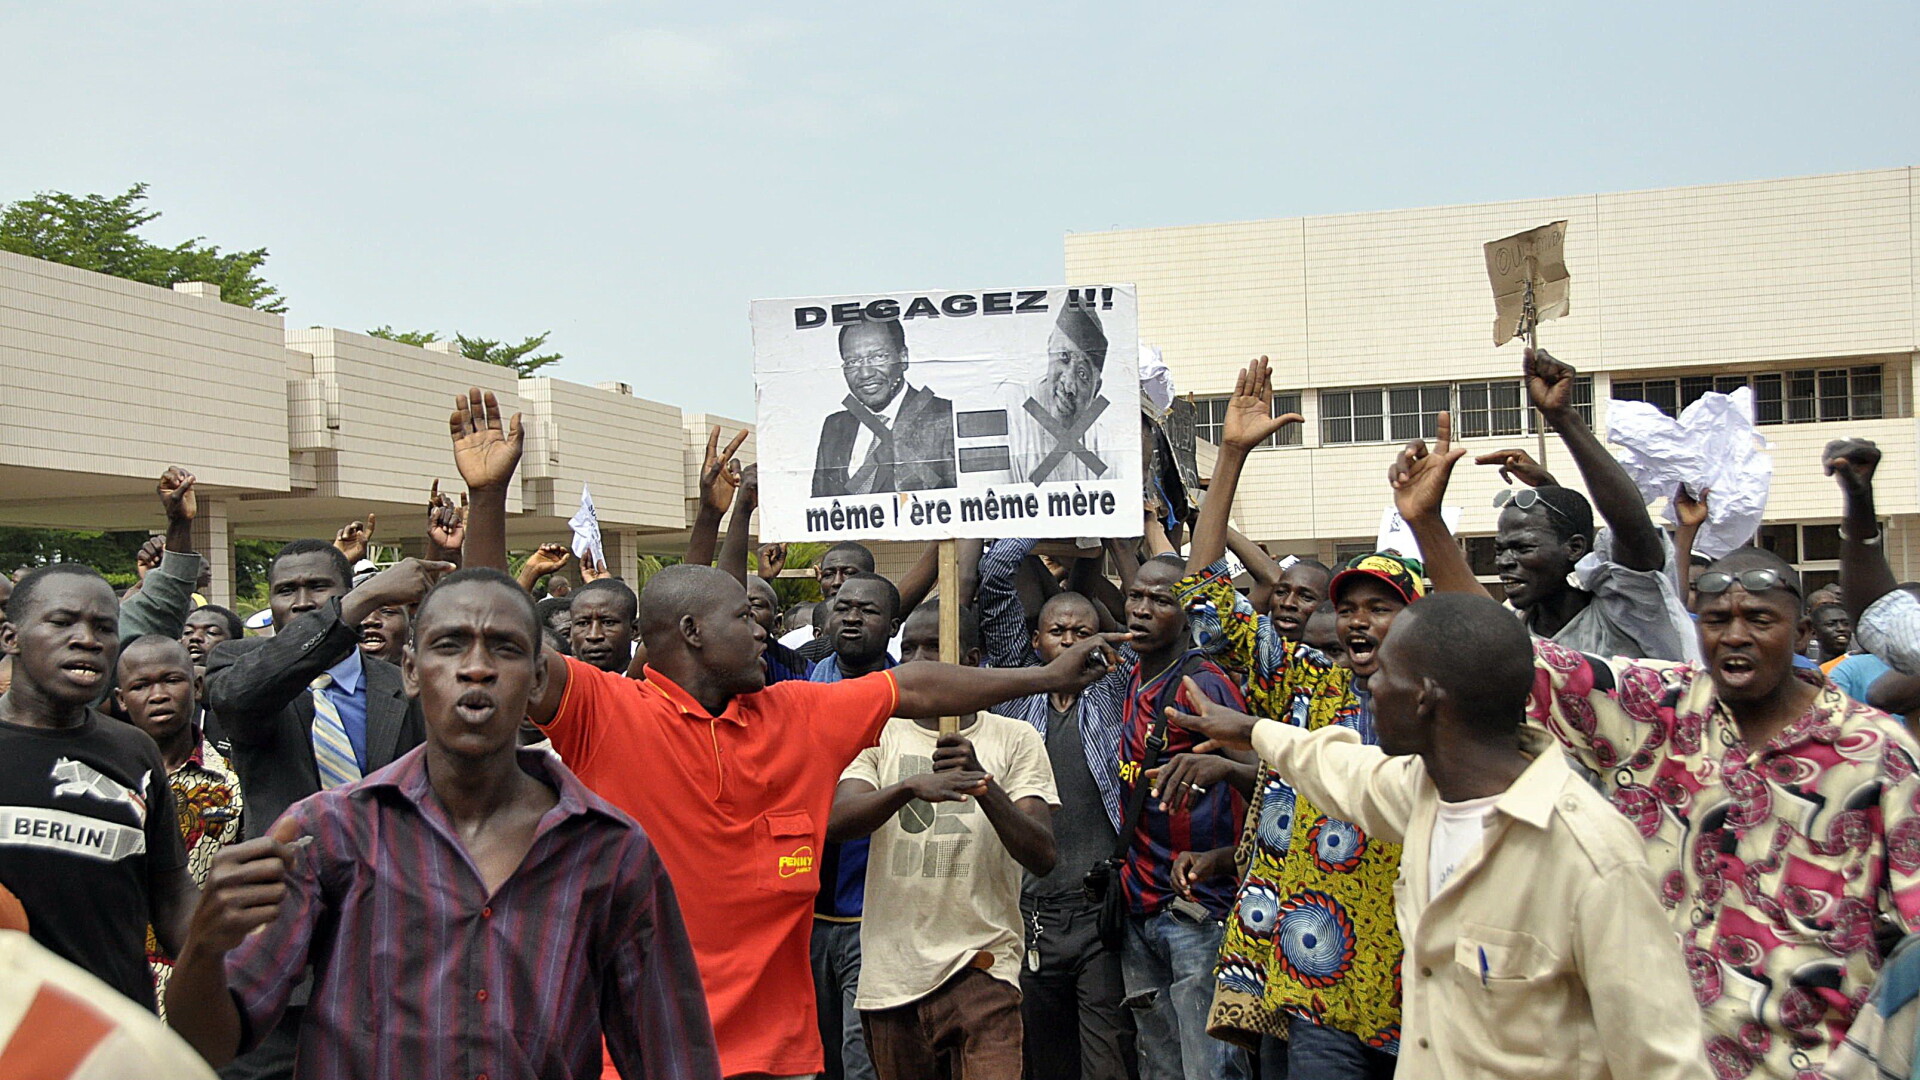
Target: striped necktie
x,y
332,750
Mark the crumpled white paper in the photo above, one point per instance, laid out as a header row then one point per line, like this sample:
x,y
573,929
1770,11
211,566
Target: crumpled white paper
x,y
1156,382
1713,444
585,523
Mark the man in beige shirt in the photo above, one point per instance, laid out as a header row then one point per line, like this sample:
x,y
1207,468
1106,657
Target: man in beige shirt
x,y
1536,944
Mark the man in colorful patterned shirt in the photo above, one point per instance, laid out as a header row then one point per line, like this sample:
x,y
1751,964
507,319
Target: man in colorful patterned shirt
x,y
1312,879
1782,817
156,692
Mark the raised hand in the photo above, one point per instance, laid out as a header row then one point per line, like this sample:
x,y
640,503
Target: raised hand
x,y
244,888
1549,382
1249,420
148,557
1851,462
1223,728
176,494
1418,476
1692,512
772,559
592,570
1517,464
485,452
720,474
399,585
546,559
446,523
354,538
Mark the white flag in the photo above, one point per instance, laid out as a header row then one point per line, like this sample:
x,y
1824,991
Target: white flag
x,y
586,530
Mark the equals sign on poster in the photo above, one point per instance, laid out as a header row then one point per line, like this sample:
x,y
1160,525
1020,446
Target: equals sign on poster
x,y
982,440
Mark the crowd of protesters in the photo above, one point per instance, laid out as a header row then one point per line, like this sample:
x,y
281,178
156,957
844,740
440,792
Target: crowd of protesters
x,y
1655,815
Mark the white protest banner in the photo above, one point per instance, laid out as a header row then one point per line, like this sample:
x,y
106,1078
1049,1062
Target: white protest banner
x,y
1396,535
931,416
585,523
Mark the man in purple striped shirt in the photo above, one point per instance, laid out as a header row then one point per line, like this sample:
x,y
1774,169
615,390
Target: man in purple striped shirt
x,y
471,911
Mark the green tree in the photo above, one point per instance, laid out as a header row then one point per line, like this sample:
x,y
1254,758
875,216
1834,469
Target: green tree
x,y
418,338
102,233
520,358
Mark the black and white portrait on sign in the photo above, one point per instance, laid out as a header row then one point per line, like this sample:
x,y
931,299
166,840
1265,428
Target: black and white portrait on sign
x,y
889,435
934,415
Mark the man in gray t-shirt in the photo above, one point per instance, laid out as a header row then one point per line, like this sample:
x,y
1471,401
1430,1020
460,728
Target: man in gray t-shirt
x,y
1625,603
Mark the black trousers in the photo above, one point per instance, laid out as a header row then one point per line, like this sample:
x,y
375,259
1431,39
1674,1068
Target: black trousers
x,y
1075,1024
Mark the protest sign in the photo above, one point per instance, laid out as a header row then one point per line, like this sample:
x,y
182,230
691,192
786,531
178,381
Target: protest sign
x,y
1536,258
926,416
1396,535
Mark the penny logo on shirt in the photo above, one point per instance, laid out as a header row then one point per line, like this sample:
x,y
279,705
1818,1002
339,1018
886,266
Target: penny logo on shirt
x,y
800,862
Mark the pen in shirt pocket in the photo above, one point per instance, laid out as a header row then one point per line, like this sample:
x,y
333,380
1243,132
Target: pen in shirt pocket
x,y
1483,966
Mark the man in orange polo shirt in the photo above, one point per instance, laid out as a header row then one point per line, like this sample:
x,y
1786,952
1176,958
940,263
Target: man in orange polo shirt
x,y
732,779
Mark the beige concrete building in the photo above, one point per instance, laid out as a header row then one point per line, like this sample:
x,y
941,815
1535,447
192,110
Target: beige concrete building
x,y
294,432
1803,289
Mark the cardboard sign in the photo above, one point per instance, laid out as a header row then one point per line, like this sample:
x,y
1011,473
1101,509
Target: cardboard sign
x,y
1537,255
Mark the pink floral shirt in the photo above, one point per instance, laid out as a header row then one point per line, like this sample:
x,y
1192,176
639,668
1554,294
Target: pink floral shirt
x,y
1783,868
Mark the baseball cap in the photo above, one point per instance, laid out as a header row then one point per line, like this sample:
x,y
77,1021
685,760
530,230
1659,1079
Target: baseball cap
x,y
1404,575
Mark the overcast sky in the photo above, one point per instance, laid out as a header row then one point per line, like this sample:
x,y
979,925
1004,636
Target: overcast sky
x,y
630,175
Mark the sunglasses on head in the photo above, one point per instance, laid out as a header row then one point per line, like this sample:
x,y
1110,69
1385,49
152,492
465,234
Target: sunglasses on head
x,y
1715,582
1527,499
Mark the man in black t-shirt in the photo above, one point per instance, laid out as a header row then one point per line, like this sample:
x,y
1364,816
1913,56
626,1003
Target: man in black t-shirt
x,y
88,840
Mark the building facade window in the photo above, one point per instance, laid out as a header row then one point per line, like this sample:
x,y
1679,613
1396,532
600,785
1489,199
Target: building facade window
x,y
1210,413
1813,395
1486,409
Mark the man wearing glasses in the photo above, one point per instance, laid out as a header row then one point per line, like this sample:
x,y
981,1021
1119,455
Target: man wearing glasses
x,y
889,435
1626,603
1781,817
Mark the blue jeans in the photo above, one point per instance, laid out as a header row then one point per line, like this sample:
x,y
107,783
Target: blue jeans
x,y
1316,1051
1167,963
836,975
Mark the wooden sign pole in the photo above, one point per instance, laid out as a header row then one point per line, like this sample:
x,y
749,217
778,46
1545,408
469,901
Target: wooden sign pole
x,y
949,617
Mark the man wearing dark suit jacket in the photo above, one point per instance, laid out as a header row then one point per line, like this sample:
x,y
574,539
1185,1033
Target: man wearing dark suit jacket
x,y
306,709
890,436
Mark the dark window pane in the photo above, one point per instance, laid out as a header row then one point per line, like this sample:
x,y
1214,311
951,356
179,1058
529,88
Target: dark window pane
x,y
1782,540
1693,387
1800,397
1820,542
1405,426
1289,435
1480,555
1814,580
1367,403
1866,394
1665,396
1833,394
1404,399
1336,430
1353,549
1727,384
1369,428
1433,399
1336,403
1767,408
